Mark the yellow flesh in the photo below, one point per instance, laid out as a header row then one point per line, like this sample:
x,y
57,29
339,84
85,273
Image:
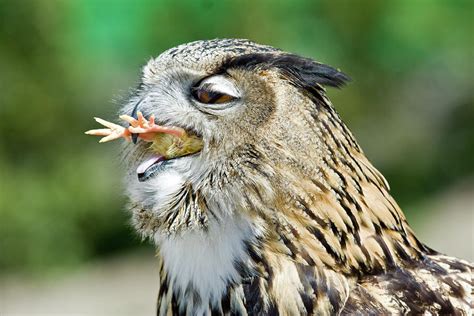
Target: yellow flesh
x,y
170,146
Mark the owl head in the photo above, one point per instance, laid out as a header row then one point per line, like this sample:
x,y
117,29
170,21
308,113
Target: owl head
x,y
269,135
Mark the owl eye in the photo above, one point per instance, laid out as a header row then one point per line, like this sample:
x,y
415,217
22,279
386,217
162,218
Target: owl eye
x,y
211,97
217,89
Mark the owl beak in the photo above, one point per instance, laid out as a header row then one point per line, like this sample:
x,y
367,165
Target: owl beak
x,y
135,116
134,138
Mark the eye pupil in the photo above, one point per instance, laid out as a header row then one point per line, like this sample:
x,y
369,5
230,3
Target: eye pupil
x,y
211,97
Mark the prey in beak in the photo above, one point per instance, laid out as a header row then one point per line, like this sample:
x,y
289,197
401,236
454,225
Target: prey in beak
x,y
166,142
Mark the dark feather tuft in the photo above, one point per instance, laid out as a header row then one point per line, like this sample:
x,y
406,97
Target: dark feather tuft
x,y
303,72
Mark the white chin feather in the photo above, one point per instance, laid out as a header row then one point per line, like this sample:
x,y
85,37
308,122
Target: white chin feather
x,y
157,190
205,260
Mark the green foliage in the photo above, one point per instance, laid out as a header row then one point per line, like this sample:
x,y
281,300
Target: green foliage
x,y
62,62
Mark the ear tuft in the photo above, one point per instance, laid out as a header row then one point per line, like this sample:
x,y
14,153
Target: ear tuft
x,y
303,72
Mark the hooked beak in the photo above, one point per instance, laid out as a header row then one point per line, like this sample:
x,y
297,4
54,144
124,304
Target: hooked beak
x,y
135,116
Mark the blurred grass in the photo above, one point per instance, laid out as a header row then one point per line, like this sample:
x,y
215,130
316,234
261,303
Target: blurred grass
x,y
62,62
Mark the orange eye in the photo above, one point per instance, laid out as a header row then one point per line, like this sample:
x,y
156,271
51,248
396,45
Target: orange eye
x,y
211,97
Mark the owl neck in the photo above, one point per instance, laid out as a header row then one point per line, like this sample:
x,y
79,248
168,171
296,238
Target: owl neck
x,y
237,266
338,204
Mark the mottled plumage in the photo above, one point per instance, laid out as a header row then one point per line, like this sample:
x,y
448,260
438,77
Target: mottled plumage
x,y
280,212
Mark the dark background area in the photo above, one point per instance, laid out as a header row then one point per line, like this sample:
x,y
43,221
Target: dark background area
x,y
410,104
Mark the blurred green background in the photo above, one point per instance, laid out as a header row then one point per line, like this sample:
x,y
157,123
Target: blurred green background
x,y
410,104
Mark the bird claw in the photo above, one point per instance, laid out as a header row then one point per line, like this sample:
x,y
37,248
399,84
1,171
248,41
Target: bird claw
x,y
114,131
146,129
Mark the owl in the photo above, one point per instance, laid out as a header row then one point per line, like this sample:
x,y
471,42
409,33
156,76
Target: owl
x,y
260,200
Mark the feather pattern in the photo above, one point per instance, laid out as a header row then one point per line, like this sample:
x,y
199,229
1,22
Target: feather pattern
x,y
281,213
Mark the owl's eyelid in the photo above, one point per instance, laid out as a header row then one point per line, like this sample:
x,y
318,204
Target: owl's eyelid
x,y
220,84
